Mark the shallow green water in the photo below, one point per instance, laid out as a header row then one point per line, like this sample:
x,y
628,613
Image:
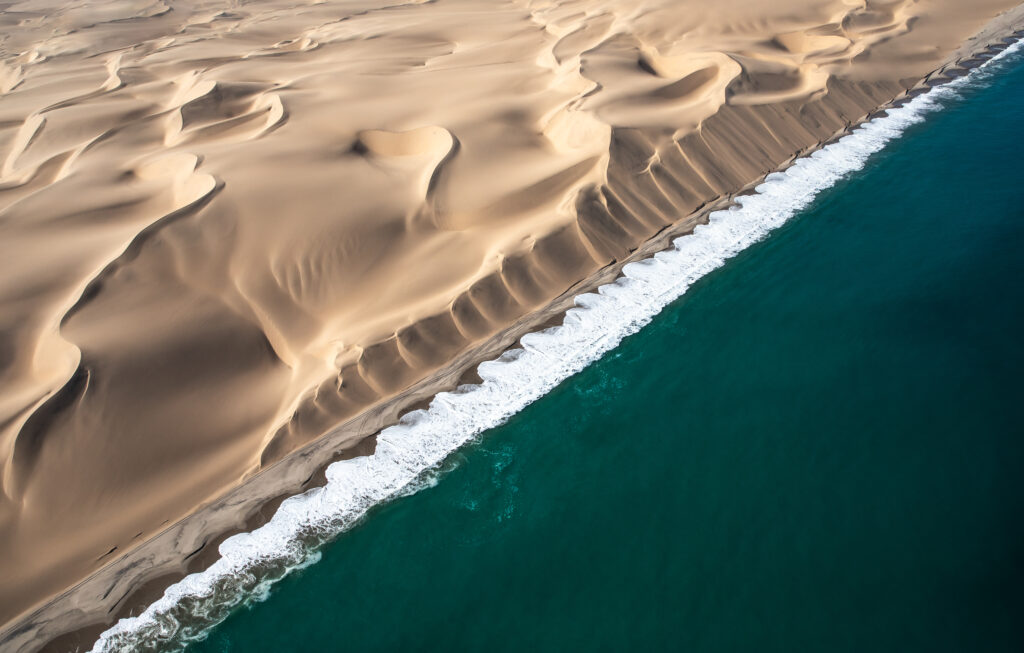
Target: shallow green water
x,y
819,447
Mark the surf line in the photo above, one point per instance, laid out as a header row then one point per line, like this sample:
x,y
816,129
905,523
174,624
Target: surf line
x,y
409,451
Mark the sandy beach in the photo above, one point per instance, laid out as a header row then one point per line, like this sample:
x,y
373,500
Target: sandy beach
x,y
238,240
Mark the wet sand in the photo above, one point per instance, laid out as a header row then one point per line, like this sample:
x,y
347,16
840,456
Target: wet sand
x,y
240,242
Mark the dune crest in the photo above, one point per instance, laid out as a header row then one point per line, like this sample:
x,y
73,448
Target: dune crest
x,y
227,232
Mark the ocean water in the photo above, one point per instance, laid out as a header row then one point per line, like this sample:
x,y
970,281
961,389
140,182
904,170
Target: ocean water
x,y
819,446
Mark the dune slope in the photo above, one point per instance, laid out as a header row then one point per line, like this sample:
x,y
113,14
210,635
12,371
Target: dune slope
x,y
225,229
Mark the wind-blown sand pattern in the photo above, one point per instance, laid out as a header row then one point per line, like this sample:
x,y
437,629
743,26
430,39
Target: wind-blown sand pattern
x,y
228,232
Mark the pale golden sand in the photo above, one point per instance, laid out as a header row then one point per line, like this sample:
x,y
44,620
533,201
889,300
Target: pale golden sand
x,y
225,230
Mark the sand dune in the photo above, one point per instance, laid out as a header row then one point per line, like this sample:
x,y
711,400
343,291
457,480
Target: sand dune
x,y
226,229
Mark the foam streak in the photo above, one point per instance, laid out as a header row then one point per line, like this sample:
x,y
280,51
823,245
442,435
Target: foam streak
x,y
251,562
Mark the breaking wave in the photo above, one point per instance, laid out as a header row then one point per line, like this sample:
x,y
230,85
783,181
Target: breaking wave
x,y
408,453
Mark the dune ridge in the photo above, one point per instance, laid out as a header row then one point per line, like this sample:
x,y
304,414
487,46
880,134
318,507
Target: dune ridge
x,y
226,233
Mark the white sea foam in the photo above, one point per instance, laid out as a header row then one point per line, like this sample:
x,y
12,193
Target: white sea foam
x,y
251,562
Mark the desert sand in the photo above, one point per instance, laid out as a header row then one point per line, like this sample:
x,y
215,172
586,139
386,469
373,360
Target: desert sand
x,y
227,229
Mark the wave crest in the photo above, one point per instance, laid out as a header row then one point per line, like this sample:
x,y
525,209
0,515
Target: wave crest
x,y
408,452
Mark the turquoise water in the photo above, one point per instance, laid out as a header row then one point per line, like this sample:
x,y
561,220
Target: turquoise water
x,y
819,447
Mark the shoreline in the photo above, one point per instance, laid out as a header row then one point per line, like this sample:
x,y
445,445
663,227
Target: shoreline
x,y
141,574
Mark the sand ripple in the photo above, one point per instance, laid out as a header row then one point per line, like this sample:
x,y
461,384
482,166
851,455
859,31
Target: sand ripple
x,y
226,232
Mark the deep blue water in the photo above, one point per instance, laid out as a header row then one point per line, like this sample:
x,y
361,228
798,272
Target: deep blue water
x,y
819,447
